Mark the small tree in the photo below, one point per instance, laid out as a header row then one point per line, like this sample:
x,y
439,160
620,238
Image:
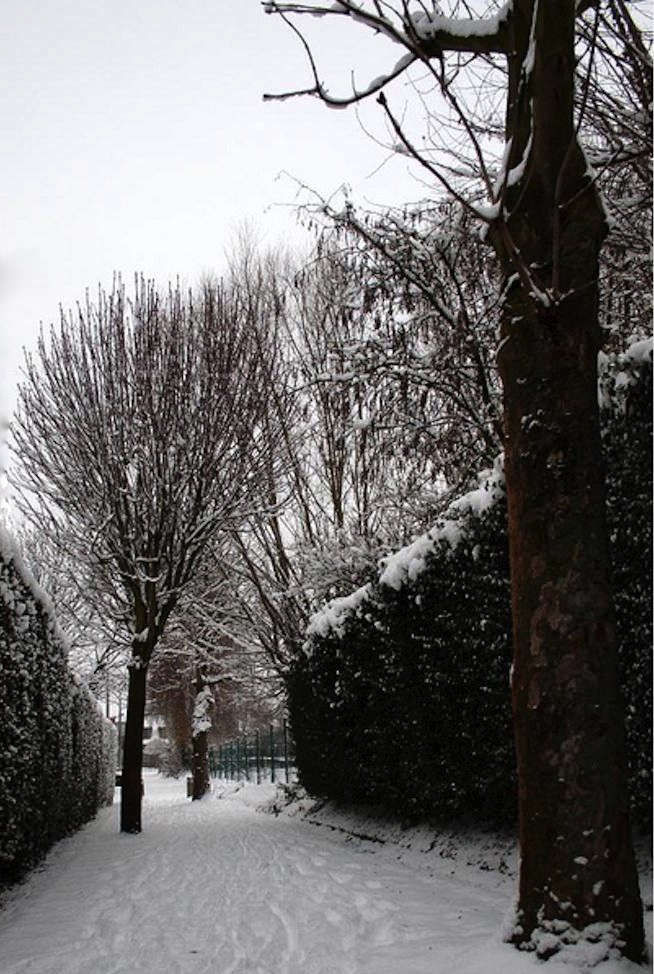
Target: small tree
x,y
137,440
546,223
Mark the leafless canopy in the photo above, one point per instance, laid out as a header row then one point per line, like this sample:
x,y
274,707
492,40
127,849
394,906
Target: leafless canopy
x,y
138,437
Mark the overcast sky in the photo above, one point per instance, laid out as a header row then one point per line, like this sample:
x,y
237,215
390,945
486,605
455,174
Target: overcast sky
x,y
135,138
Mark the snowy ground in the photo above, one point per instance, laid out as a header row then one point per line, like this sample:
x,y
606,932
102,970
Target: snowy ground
x,y
218,888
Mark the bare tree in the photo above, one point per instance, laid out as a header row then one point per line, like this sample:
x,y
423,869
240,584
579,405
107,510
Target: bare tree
x,y
429,289
97,647
617,125
137,440
342,494
546,222
210,662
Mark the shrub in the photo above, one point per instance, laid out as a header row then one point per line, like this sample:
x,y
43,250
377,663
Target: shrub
x,y
57,756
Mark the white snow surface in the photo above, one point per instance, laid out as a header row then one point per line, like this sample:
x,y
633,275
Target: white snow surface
x,y
214,886
336,611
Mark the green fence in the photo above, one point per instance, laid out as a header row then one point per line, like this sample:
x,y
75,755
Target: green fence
x,y
260,756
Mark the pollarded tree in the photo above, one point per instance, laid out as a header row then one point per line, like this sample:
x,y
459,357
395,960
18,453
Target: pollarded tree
x,y
546,222
137,440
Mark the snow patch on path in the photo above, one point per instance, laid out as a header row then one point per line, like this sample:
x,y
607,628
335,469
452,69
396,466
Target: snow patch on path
x,y
213,887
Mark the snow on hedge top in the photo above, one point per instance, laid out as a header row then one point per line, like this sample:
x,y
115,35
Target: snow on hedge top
x,y
15,600
332,615
9,552
406,564
637,355
618,372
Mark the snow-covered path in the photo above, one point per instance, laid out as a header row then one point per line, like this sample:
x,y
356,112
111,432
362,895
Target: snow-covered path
x,y
213,886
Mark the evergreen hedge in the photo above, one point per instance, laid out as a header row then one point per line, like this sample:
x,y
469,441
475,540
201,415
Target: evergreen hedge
x,y
57,751
401,696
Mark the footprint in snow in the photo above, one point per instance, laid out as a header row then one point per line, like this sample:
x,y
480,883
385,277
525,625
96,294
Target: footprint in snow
x,y
340,878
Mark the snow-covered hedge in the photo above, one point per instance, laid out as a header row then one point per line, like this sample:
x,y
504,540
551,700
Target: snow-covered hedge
x,y
401,696
57,751
627,413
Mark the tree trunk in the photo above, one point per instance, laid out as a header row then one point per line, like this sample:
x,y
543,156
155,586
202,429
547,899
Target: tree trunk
x,y
200,766
130,793
577,865
201,782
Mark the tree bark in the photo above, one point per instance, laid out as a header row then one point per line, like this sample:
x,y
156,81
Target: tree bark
x,y
200,763
201,782
577,865
131,791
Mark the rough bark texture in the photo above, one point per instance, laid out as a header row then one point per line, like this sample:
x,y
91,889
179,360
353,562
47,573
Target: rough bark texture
x,y
574,833
577,864
130,792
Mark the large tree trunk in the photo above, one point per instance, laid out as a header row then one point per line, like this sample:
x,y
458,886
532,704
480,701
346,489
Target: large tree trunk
x,y
130,792
577,866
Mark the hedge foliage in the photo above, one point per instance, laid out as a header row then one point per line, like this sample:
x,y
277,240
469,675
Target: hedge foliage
x,y
401,696
57,751
627,444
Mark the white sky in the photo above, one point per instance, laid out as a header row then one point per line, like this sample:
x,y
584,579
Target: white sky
x,y
135,138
